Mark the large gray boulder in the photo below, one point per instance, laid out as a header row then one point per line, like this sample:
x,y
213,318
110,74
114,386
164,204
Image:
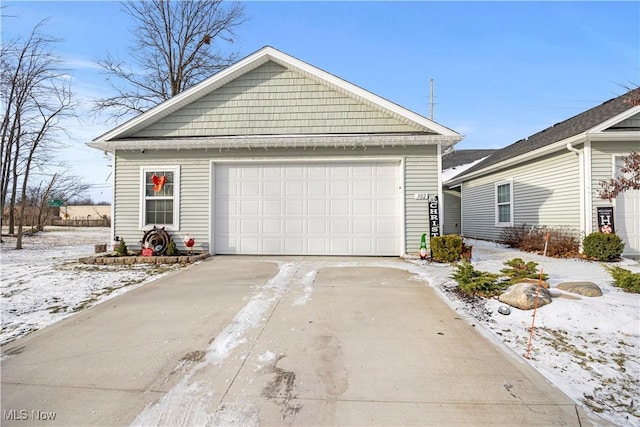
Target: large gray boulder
x,y
587,289
523,296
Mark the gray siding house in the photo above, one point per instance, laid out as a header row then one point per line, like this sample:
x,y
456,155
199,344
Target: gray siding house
x,y
552,178
275,156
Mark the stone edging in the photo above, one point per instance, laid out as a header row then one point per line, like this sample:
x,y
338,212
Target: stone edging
x,y
130,260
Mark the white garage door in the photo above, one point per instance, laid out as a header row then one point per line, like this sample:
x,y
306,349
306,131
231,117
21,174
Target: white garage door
x,y
307,208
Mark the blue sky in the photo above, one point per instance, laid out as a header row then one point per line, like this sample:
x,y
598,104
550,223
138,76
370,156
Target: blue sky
x,y
501,70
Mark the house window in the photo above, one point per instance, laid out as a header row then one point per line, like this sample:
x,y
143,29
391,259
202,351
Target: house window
x,y
160,196
504,204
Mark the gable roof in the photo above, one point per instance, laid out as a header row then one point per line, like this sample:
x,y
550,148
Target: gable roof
x,y
456,158
128,129
594,120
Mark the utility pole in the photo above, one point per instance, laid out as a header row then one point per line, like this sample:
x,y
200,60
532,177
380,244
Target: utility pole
x,y
431,102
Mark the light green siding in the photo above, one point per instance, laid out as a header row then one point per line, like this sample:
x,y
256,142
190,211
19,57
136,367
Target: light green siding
x,y
194,195
420,165
421,176
602,168
546,191
272,100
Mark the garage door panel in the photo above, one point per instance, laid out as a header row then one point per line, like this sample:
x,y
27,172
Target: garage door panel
x,y
315,209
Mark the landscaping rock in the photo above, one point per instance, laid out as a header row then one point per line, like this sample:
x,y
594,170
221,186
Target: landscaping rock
x,y
523,296
535,282
587,289
503,309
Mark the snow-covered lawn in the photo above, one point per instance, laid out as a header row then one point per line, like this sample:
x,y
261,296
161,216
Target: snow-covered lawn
x,y
44,282
588,347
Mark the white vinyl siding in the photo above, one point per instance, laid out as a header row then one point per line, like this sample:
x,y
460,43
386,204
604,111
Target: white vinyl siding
x,y
545,192
272,100
504,203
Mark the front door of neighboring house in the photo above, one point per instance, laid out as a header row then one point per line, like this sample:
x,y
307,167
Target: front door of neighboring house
x,y
627,218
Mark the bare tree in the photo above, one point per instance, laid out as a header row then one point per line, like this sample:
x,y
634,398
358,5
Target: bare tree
x,y
35,97
60,187
176,45
630,180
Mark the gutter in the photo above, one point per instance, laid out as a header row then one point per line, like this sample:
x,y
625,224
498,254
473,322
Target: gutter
x,y
584,227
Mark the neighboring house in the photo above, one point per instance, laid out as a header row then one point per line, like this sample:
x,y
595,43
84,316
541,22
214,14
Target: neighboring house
x,y
552,178
454,163
275,156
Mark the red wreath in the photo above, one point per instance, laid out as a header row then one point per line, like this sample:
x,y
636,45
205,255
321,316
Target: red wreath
x,y
158,182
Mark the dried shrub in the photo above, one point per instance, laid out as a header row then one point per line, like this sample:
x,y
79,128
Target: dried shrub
x,y
513,236
563,242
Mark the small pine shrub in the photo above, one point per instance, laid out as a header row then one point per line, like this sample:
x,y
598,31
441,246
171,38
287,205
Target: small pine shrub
x,y
603,247
625,279
518,270
477,283
122,249
172,250
446,248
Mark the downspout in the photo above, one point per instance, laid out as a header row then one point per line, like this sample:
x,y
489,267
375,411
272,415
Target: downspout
x,y
583,225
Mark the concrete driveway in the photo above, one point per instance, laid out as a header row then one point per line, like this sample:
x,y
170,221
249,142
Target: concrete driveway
x,y
275,341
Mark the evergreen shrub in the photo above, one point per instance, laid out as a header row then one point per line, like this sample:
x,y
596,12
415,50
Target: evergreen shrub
x,y
603,247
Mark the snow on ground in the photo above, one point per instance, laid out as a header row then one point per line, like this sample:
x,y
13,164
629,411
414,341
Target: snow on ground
x,y
44,282
588,347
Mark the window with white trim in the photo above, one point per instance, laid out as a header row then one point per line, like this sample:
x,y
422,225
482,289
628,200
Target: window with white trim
x,y
160,199
504,203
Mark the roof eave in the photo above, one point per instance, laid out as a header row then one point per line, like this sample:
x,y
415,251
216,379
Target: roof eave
x,y
551,148
276,141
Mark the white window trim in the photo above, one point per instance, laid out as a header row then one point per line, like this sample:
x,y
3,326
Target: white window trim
x,y
495,203
176,196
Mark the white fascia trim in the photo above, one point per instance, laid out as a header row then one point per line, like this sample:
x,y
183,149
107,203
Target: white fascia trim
x,y
542,151
277,141
253,61
622,136
615,120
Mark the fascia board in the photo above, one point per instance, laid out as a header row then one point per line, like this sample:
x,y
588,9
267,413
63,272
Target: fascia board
x,y
278,141
556,146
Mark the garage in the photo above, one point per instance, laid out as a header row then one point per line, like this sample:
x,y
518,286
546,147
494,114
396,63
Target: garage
x,y
308,208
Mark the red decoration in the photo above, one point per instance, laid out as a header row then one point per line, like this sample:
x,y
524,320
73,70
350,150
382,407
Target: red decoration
x,y
158,182
147,252
189,241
